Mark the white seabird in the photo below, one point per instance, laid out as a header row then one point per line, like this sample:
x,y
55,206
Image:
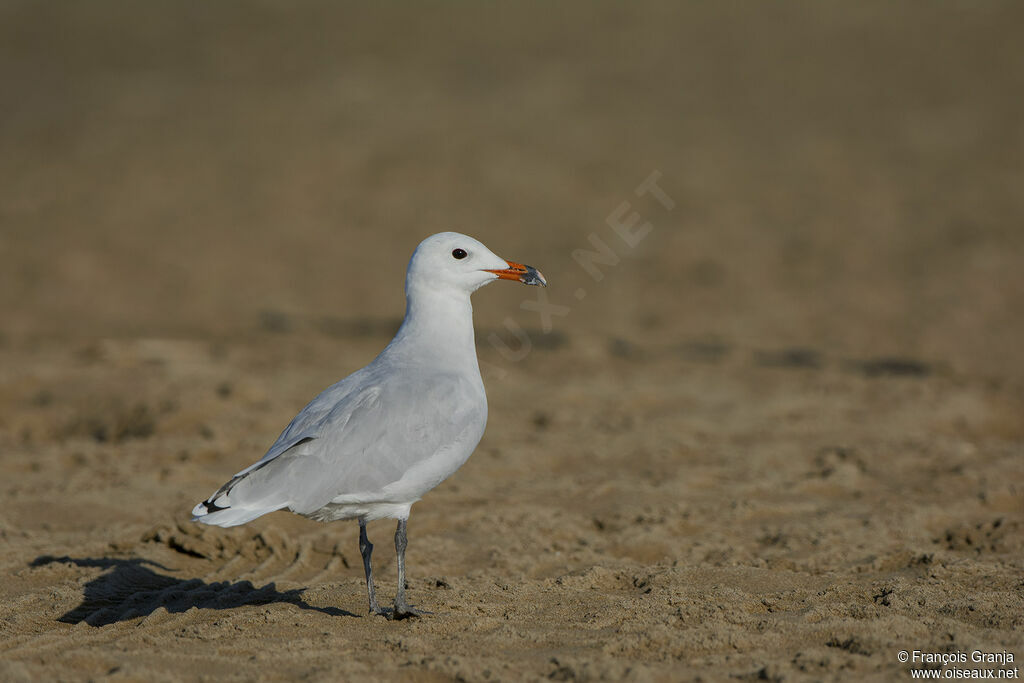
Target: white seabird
x,y
371,445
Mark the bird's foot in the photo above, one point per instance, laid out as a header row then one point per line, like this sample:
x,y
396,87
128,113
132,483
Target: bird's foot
x,y
379,611
404,610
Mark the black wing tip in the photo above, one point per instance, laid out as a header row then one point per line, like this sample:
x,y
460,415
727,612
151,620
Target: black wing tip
x,y
211,507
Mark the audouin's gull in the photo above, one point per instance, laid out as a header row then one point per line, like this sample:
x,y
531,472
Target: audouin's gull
x,y
371,445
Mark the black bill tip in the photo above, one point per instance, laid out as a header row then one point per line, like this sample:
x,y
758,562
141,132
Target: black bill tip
x,y
532,276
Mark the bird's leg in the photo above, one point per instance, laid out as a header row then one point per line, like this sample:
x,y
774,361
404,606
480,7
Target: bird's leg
x,y
366,549
403,609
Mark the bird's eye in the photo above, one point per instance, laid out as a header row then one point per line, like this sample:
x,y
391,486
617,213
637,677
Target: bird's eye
x,y
459,253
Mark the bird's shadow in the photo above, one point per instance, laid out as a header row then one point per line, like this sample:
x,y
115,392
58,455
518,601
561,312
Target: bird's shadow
x,y
132,589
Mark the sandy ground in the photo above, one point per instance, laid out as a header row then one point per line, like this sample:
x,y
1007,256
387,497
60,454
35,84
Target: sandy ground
x,y
780,438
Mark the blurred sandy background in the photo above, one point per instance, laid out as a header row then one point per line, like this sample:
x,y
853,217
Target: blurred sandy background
x,y
782,439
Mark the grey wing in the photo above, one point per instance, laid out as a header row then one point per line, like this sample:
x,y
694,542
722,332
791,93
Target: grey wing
x,y
369,442
310,420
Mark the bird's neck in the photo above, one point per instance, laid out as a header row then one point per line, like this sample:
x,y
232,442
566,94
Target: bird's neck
x,y
438,329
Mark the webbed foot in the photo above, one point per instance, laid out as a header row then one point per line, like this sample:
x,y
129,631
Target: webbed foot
x,y
404,610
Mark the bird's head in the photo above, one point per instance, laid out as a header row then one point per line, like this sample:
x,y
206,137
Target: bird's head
x,y
453,260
